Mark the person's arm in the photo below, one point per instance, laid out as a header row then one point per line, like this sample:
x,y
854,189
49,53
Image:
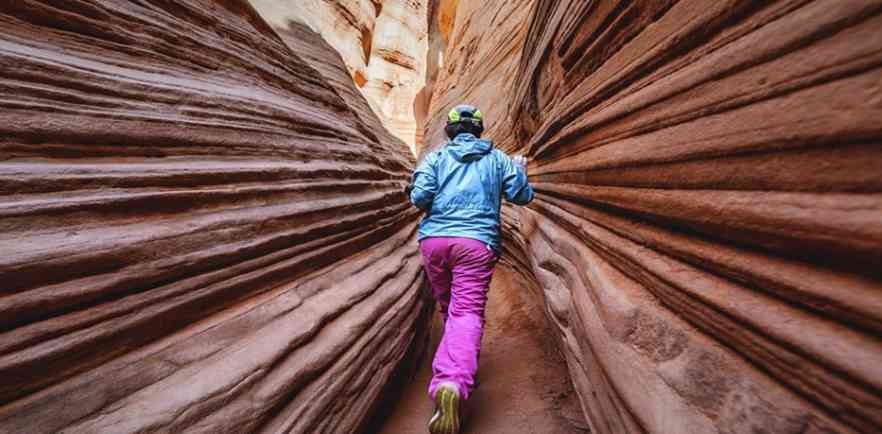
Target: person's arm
x,y
515,186
424,185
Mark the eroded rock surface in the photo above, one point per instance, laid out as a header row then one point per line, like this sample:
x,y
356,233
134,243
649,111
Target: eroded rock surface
x,y
708,227
382,42
202,230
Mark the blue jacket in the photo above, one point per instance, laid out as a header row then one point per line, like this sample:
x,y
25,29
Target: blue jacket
x,y
461,187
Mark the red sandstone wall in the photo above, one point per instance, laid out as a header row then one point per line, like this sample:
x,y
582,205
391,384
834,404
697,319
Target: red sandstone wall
x,y
708,226
200,230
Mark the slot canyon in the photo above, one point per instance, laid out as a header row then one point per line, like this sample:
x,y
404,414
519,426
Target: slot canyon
x,y
204,229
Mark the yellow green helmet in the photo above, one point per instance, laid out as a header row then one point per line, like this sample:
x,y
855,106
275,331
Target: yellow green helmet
x,y
465,113
464,119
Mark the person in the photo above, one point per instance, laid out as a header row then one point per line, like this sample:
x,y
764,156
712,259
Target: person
x,y
460,187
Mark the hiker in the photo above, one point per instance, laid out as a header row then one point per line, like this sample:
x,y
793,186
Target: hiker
x,y
460,187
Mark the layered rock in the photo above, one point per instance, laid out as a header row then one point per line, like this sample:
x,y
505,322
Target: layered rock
x,y
202,230
707,232
383,43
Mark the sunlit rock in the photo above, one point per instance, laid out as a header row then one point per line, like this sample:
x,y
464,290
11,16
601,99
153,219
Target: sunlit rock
x,y
382,42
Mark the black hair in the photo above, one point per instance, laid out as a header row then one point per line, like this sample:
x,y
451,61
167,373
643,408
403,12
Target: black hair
x,y
457,128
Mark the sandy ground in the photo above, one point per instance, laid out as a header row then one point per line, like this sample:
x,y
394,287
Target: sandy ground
x,y
523,383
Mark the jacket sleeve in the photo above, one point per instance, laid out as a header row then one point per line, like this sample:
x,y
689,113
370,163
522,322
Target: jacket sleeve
x,y
424,185
515,186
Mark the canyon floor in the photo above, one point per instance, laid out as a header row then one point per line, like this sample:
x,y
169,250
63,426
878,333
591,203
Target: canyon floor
x,y
524,387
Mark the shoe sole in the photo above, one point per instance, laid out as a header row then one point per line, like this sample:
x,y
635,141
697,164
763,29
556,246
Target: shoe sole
x,y
447,404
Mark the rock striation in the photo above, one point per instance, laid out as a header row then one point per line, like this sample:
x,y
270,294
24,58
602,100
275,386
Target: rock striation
x,y
707,232
382,42
202,230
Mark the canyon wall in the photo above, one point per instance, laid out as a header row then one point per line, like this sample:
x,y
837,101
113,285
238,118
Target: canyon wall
x,y
707,232
383,43
202,230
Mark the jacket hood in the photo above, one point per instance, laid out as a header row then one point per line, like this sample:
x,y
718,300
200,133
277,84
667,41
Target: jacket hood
x,y
467,147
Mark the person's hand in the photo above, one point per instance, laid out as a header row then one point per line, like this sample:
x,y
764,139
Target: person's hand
x,y
520,160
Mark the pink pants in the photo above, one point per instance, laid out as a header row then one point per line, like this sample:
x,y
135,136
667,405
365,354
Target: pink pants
x,y
459,271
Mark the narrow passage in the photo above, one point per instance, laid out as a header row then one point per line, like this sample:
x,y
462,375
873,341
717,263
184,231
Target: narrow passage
x,y
524,386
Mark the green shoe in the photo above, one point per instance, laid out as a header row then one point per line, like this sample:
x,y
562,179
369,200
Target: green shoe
x,y
445,419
